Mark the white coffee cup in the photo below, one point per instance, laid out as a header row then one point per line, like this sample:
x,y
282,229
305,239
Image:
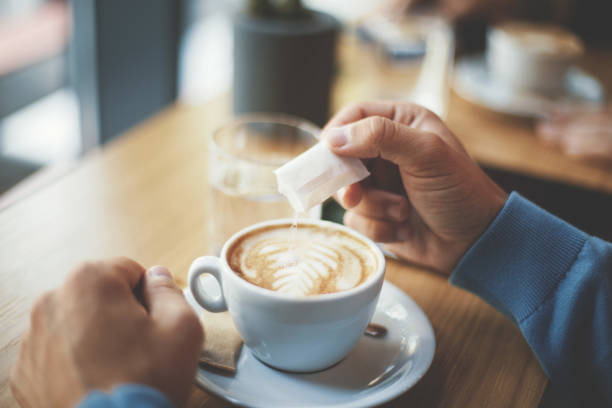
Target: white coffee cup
x,y
294,334
531,57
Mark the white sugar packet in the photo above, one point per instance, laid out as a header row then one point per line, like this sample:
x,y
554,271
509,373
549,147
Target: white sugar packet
x,y
315,175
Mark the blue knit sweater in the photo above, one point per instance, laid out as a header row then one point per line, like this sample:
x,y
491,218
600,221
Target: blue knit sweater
x,y
555,282
551,279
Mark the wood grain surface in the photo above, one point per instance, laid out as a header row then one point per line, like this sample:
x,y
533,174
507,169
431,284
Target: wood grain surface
x,y
143,196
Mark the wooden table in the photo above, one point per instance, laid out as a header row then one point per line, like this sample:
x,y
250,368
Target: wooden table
x,y
143,196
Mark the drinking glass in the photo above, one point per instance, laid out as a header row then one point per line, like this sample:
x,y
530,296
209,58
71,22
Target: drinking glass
x,y
243,156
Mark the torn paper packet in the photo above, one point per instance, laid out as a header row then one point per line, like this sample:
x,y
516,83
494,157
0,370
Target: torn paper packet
x,y
315,175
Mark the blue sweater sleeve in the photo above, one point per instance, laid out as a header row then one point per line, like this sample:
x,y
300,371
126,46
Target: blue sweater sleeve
x,y
555,282
126,396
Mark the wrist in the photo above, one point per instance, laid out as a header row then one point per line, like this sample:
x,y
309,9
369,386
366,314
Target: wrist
x,y
493,205
497,199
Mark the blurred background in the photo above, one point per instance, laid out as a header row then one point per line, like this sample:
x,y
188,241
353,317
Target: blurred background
x,y
76,74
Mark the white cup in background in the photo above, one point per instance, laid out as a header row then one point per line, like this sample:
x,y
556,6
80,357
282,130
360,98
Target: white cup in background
x,y
531,57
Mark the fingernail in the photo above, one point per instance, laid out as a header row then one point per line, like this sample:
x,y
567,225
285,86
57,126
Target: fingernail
x,y
336,137
403,234
396,212
159,272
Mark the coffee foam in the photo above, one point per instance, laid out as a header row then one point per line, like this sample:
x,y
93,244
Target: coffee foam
x,y
314,260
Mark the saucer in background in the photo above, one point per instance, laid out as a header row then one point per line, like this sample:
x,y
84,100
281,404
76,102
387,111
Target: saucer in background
x,y
376,370
474,83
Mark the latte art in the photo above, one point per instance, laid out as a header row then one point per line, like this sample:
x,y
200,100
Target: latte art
x,y
308,261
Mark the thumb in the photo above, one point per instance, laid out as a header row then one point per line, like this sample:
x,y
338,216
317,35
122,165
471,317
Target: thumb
x,y
163,299
381,137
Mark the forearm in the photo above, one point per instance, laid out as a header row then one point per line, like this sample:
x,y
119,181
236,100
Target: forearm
x,y
555,283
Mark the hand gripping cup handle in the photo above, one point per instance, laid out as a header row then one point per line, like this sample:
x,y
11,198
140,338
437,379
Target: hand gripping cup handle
x,y
206,265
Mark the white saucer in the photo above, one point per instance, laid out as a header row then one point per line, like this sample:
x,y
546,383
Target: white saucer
x,y
473,83
376,371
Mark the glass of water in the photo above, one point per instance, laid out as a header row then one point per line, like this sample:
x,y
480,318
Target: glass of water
x,y
243,156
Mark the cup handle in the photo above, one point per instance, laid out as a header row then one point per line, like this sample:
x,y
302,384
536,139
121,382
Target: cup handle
x,y
210,265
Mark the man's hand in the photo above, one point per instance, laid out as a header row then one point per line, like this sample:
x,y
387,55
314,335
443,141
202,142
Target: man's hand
x,y
425,197
583,134
93,333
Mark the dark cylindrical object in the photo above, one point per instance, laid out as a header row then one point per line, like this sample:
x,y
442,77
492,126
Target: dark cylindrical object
x,y
284,66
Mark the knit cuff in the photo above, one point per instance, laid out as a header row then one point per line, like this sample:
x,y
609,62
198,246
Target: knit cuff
x,y
520,259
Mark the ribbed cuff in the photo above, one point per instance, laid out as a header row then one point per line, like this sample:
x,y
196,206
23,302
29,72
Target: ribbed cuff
x,y
127,395
520,259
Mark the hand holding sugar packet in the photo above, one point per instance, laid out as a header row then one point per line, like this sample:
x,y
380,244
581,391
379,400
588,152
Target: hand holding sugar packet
x,y
315,175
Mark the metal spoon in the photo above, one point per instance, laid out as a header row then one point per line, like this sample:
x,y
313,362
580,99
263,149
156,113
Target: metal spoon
x,y
375,330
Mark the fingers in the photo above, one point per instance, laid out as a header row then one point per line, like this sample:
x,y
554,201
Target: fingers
x,y
112,280
579,137
403,112
377,230
382,205
349,196
548,132
15,382
588,142
118,273
562,123
406,113
166,305
126,270
160,292
385,176
381,137
41,310
357,111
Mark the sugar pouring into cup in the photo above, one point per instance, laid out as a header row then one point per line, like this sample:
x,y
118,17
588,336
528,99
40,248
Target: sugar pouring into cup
x,y
243,155
300,319
316,175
